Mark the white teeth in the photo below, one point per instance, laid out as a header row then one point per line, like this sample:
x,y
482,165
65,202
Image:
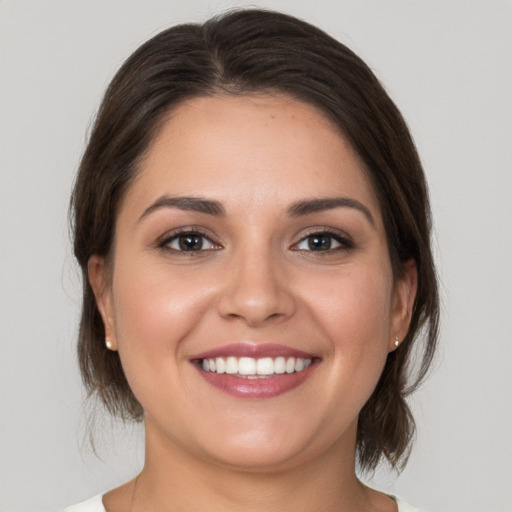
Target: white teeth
x,y
247,366
255,368
231,365
220,365
265,366
280,365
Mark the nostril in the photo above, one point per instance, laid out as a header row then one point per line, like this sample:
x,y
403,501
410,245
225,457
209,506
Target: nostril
x,y
256,310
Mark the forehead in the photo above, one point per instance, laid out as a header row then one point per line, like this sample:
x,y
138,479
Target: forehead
x,y
254,149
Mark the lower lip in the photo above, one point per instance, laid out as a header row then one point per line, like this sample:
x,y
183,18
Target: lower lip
x,y
268,387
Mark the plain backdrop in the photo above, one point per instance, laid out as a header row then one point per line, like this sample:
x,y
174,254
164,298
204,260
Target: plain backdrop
x,y
447,64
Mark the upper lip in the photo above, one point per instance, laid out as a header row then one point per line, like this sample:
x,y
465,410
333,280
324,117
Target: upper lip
x,y
255,350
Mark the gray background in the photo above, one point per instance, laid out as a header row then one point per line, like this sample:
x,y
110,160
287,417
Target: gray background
x,y
448,66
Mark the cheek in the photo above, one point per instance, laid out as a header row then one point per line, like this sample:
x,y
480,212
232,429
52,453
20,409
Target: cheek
x,y
154,313
354,304
153,310
354,312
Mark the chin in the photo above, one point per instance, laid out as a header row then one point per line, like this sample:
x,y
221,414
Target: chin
x,y
258,459
264,449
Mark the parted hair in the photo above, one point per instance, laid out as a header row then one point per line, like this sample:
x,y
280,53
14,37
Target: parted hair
x,y
246,52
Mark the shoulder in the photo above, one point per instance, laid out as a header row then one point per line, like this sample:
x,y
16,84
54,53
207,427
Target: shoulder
x,y
403,506
94,504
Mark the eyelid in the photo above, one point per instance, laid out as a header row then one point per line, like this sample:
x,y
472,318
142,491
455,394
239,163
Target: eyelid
x,y
341,237
164,241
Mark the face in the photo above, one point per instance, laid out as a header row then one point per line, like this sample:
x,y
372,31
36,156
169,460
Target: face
x,y
250,293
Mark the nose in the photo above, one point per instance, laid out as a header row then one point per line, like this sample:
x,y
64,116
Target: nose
x,y
256,290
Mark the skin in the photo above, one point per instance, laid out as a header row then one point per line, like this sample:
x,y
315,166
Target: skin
x,y
256,279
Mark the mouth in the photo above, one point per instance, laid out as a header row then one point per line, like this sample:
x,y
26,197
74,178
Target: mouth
x,y
255,371
252,368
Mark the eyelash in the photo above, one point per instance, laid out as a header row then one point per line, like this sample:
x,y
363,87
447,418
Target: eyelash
x,y
344,242
167,240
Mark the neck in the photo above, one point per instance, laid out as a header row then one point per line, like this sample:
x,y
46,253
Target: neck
x,y
173,479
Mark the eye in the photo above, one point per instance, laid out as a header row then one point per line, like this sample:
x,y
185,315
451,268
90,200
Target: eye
x,y
323,241
189,241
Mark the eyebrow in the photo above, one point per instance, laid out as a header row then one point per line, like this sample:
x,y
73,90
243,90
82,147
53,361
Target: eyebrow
x,y
297,209
195,204
309,206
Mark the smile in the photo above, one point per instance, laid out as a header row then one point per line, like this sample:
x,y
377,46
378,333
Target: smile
x,y
248,370
250,367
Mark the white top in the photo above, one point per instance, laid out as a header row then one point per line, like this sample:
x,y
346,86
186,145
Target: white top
x,y
96,505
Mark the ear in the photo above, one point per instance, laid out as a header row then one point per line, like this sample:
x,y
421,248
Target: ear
x,y
99,277
404,295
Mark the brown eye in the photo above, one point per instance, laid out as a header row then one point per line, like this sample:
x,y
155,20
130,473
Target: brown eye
x,y
319,242
189,241
323,242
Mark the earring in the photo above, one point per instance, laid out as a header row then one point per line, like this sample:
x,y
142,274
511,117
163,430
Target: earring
x,y
397,342
108,343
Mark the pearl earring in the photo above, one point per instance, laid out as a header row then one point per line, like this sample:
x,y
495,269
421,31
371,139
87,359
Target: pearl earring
x,y
108,343
396,341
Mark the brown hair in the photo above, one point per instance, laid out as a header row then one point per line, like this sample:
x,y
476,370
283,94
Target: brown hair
x,y
244,52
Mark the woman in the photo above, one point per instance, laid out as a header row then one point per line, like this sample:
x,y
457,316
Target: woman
x,y
252,223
